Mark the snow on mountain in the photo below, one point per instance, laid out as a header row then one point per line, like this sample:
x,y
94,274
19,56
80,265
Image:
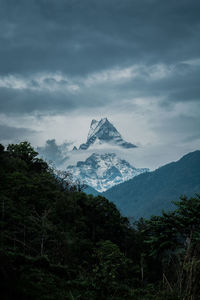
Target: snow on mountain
x,y
102,132
102,171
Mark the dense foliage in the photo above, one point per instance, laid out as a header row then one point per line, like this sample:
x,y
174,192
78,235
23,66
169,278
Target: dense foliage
x,y
59,243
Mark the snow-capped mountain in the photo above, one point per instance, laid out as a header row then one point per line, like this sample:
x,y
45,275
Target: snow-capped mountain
x,y
102,171
102,132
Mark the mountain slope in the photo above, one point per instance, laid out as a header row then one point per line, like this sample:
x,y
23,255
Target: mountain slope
x,y
103,131
91,191
151,192
102,171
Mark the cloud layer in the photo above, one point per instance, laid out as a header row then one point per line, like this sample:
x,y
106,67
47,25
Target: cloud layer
x,y
128,60
53,153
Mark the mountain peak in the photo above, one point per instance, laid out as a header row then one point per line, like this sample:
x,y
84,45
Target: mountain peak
x,y
103,131
102,171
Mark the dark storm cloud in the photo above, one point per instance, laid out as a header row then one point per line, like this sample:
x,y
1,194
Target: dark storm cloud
x,y
78,37
181,84
176,83
82,38
9,133
26,101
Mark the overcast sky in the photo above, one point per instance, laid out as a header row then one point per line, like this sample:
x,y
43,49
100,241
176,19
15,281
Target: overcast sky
x,y
137,62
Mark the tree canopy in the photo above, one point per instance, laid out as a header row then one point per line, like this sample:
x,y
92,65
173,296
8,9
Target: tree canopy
x,y
59,243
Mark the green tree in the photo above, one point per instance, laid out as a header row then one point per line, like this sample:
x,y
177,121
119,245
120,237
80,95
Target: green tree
x,y
23,150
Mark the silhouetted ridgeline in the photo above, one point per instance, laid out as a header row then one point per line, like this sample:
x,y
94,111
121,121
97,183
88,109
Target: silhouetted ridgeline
x,y
149,193
58,243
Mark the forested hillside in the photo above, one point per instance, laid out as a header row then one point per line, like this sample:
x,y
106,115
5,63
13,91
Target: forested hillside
x,y
149,193
59,243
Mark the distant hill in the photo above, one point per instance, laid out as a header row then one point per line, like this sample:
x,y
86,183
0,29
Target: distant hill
x,y
91,191
150,193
